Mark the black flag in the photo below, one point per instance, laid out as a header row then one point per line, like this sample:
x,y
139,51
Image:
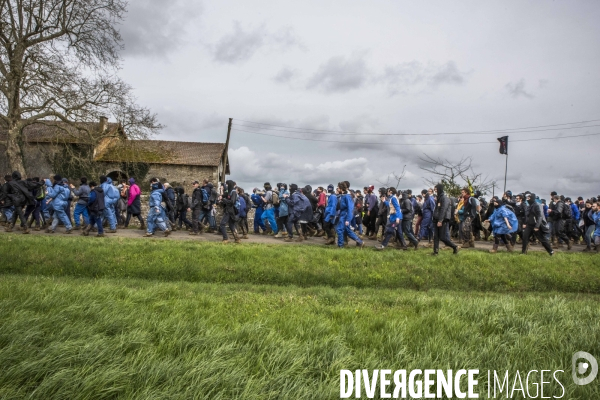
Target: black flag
x,y
503,144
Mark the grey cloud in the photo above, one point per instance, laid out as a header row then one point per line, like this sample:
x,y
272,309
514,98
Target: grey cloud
x,y
412,76
285,75
517,89
543,83
241,45
449,74
154,28
340,75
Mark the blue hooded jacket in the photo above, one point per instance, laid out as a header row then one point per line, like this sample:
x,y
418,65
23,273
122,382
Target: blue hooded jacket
x,y
498,223
111,193
575,212
59,193
242,210
257,200
596,218
331,208
156,197
346,208
398,213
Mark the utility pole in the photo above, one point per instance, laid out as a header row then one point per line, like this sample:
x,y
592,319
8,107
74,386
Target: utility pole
x,y
226,153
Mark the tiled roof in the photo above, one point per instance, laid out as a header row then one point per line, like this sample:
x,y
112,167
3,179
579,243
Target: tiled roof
x,y
53,131
164,152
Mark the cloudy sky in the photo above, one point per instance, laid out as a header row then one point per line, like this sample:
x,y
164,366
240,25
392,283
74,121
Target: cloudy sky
x,y
383,66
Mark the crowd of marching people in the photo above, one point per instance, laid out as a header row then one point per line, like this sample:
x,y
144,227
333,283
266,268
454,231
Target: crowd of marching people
x,y
336,213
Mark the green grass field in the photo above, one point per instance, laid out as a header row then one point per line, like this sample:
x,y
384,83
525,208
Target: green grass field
x,y
128,318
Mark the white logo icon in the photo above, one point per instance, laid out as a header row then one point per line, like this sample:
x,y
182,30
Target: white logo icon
x,y
581,368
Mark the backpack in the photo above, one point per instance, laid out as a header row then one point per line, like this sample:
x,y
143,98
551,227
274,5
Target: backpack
x,y
566,212
40,194
204,196
237,204
275,199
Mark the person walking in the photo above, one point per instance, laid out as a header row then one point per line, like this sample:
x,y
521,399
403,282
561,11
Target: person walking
x,y
81,208
134,204
230,204
534,223
346,214
95,210
503,222
441,220
393,227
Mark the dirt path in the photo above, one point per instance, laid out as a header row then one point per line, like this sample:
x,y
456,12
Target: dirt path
x,y
252,238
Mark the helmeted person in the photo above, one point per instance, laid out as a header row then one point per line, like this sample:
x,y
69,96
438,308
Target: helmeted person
x,y
283,209
58,194
95,210
441,219
258,203
393,227
427,221
81,208
345,220
269,209
589,226
534,224
157,215
230,205
20,194
330,215
408,214
111,196
503,222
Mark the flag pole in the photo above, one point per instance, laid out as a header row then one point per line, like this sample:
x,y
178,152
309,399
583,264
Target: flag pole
x,y
505,170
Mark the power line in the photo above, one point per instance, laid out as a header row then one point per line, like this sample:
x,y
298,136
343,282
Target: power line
x,y
423,134
340,133
415,144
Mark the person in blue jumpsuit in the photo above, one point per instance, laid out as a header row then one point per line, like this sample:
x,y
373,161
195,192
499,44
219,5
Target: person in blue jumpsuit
x,y
258,203
394,225
346,214
157,216
428,209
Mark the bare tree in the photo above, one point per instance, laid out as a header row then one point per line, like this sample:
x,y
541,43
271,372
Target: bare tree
x,y
58,61
454,174
394,179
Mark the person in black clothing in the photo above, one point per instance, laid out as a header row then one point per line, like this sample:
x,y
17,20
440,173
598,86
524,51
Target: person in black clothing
x,y
35,210
382,213
170,195
20,192
534,223
196,209
441,218
558,224
408,214
95,210
228,202
520,209
181,208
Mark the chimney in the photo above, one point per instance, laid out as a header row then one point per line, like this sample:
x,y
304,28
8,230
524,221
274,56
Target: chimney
x,y
103,126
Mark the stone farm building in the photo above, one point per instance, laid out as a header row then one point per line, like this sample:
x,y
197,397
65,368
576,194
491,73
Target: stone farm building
x,y
49,147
